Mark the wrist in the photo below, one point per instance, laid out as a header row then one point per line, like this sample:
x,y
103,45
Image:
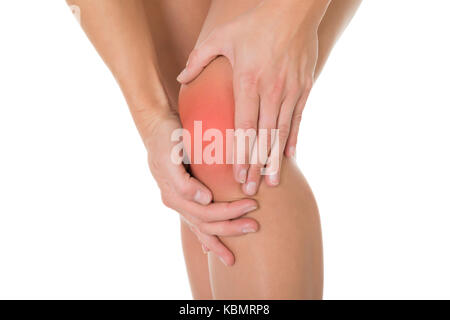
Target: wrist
x,y
148,118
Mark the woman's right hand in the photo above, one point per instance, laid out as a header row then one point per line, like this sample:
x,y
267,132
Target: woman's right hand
x,y
137,74
189,197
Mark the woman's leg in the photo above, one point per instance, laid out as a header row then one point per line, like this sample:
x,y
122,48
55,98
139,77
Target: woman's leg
x,y
336,19
334,22
283,259
175,27
175,34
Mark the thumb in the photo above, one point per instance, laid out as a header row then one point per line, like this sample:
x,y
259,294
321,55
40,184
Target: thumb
x,y
189,188
199,58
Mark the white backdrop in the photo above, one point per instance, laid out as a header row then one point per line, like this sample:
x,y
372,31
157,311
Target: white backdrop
x,y
81,217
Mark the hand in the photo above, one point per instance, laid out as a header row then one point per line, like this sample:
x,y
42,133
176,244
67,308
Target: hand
x,y
190,198
273,50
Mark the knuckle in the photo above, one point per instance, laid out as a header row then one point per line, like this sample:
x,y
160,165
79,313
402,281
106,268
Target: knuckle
x,y
227,208
200,216
202,227
267,121
255,169
297,118
309,81
248,81
306,84
183,189
293,91
166,200
260,166
246,124
275,91
221,229
283,130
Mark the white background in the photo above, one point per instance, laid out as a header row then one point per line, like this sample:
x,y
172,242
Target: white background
x,y
81,217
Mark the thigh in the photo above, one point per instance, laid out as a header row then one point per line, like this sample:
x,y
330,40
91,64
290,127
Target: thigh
x,y
336,19
334,22
175,26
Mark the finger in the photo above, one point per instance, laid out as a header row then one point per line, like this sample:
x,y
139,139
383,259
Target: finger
x,y
200,57
213,244
217,247
291,143
251,186
217,211
189,188
270,106
246,120
273,167
228,228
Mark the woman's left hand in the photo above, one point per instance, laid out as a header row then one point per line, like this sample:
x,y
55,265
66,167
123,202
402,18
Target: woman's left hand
x,y
273,49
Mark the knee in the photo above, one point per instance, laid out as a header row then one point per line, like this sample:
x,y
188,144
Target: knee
x,y
206,108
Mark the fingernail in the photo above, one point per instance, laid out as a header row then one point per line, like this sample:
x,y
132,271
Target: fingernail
x,y
201,197
205,249
274,179
251,188
181,75
248,230
242,175
291,152
250,209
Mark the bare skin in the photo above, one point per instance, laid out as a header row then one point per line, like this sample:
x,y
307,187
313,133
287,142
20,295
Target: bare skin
x,y
269,264
132,58
262,268
283,260
167,31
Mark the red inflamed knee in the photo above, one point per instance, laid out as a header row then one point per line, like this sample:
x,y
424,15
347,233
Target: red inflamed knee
x,y
206,108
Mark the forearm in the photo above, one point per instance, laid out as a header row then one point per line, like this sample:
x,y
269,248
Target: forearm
x,y
303,11
118,29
